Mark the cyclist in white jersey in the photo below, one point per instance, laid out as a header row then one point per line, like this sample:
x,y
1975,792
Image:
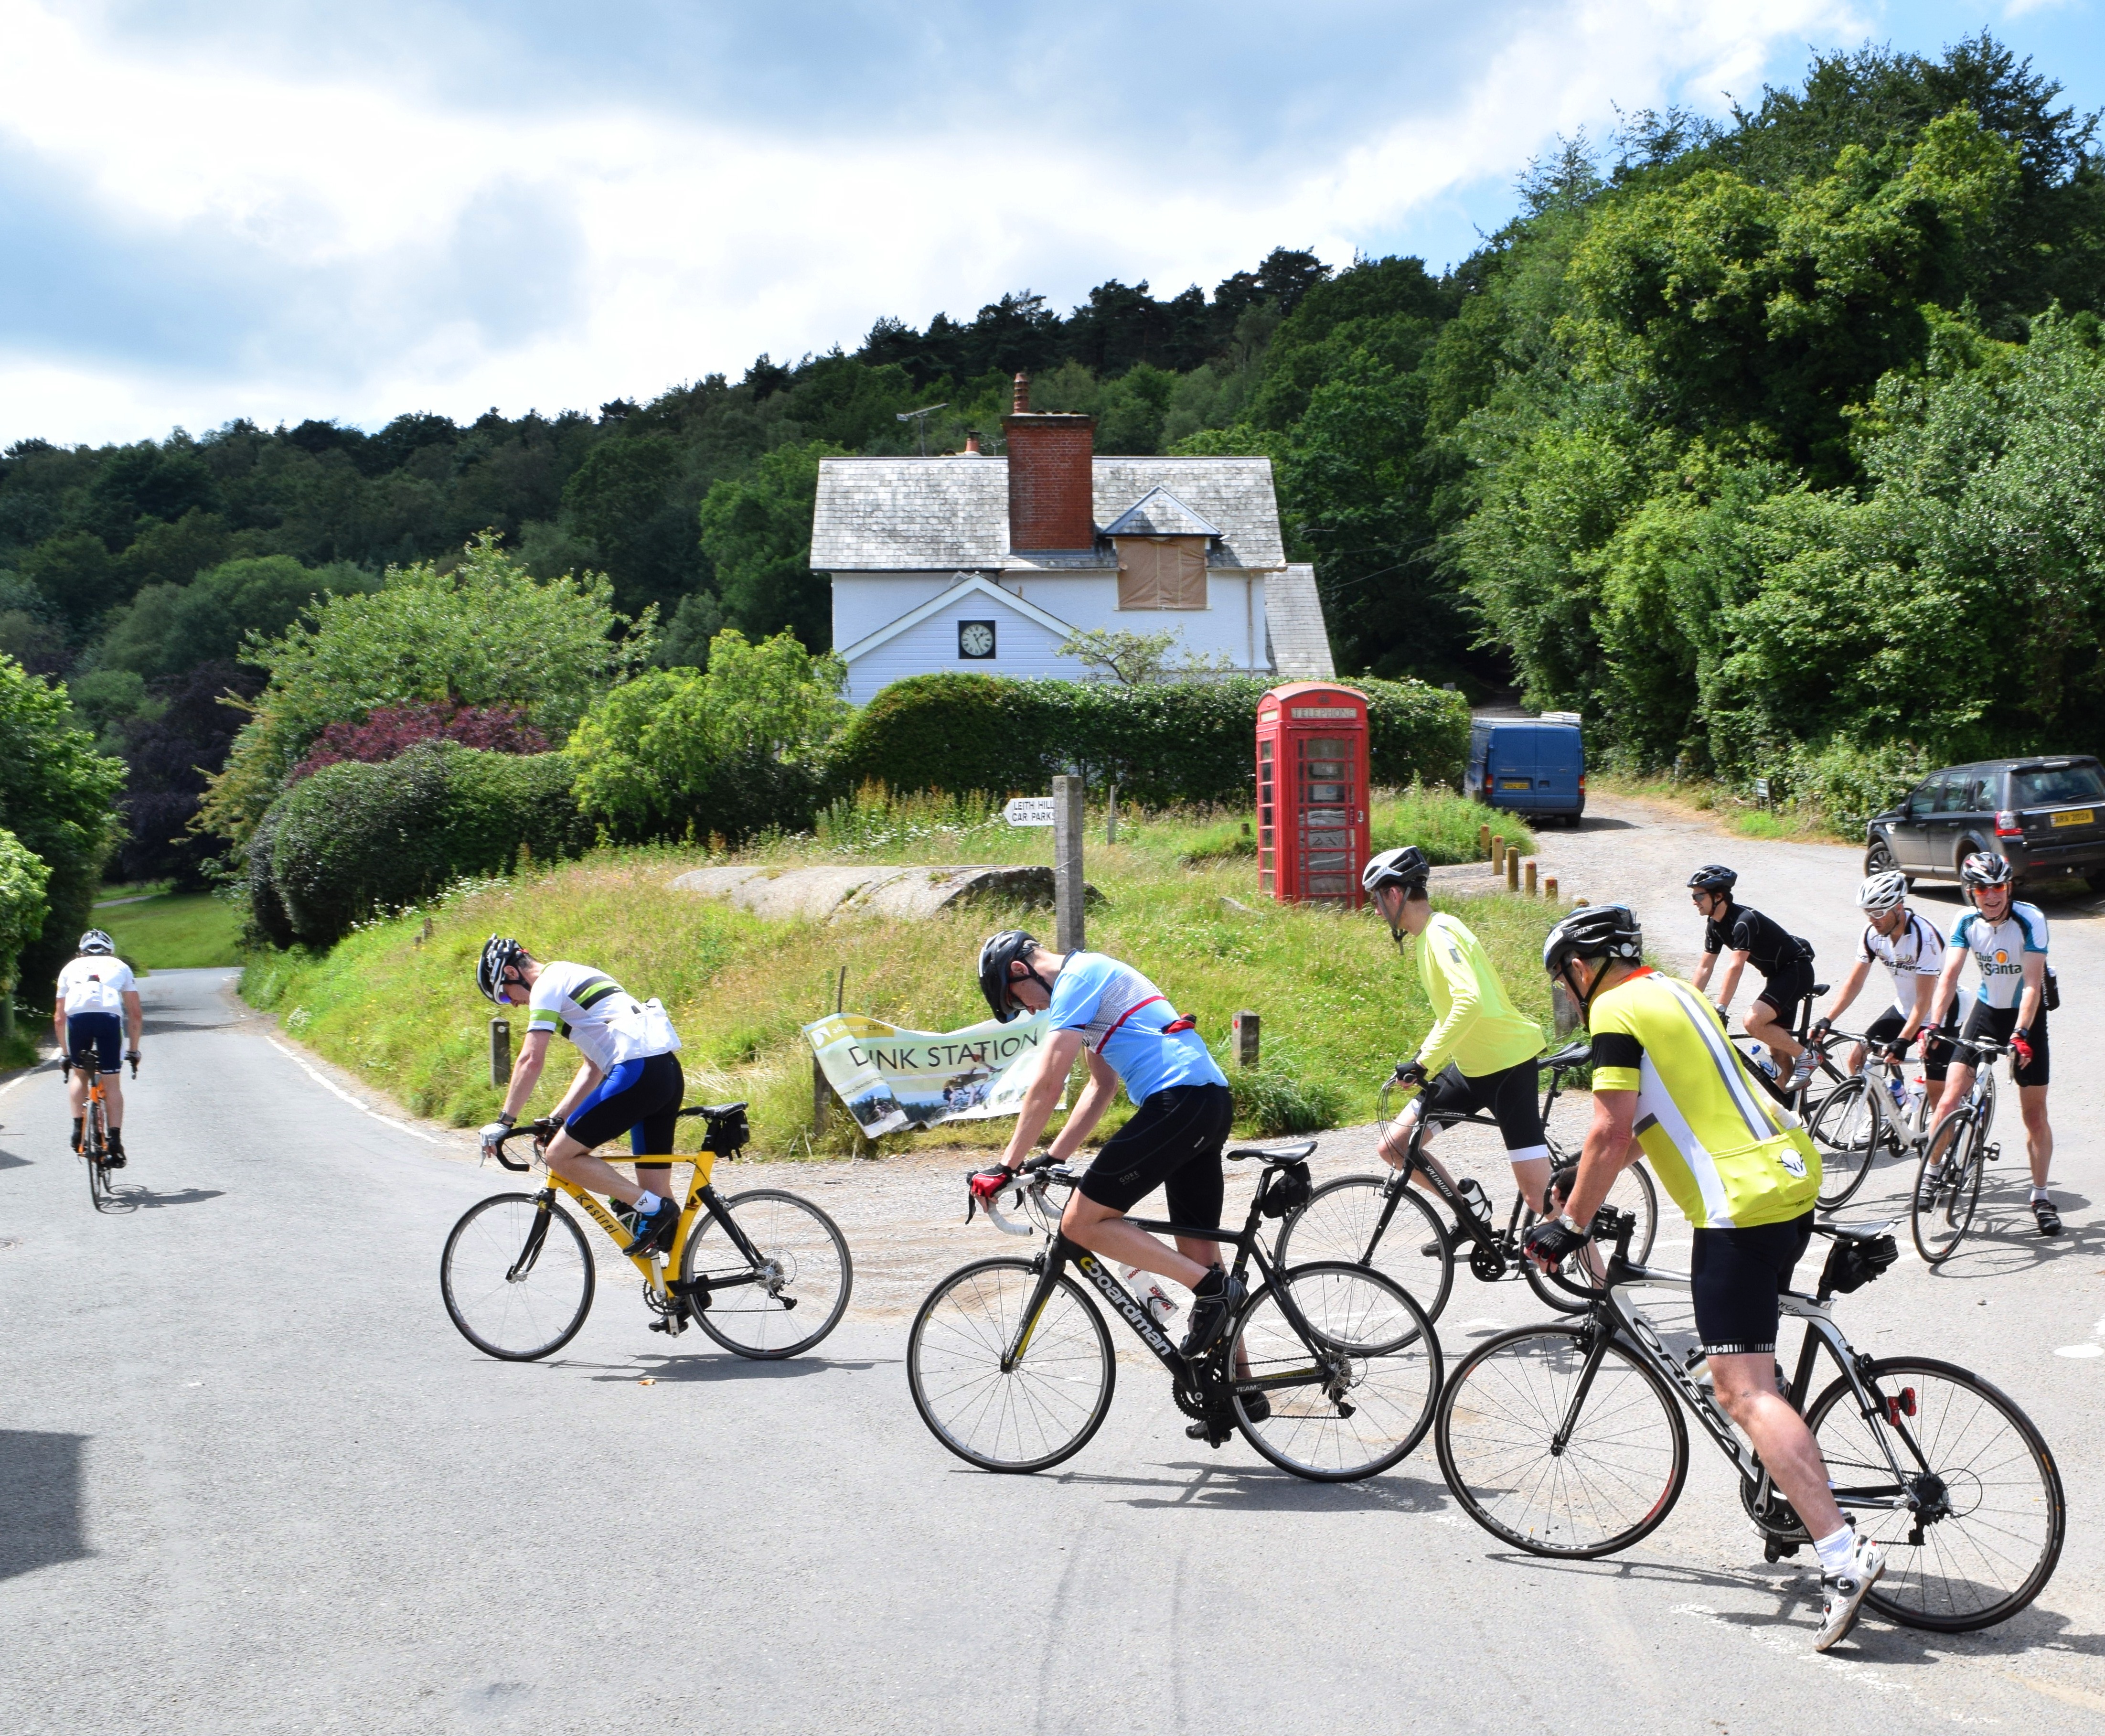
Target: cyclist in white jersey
x,y
97,1002
2007,941
1913,953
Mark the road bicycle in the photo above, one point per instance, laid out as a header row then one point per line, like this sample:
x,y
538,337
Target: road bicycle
x,y
1384,1223
1330,1371
94,1126
1959,1151
1567,1439
1876,1110
765,1274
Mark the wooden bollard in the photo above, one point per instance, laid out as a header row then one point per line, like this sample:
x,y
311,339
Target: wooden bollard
x,y
1549,887
821,1093
500,1053
1531,877
1484,840
1512,871
1498,853
1245,1026
1578,903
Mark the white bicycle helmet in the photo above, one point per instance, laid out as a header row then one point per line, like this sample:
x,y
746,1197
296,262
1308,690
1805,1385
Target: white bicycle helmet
x,y
1882,892
96,940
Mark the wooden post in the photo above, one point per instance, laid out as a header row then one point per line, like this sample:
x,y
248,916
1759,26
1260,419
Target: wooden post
x,y
1577,902
1549,887
500,1052
1498,852
1068,814
1484,840
821,1091
1245,1027
1512,871
1531,877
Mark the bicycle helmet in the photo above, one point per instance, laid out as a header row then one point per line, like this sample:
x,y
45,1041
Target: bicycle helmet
x,y
1609,931
1985,868
1406,867
1882,892
1713,877
1002,950
96,940
500,952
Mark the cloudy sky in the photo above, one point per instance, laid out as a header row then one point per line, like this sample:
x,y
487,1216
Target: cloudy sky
x,y
291,209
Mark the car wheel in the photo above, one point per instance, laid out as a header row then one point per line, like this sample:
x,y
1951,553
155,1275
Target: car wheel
x,y
1969,847
1879,859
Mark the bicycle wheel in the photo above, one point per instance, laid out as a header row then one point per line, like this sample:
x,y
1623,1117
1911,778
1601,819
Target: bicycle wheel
x,y
517,1276
1343,1221
1848,1127
1993,1515
803,1279
1940,1220
1528,1471
1353,1393
1040,1411
95,1147
1574,1286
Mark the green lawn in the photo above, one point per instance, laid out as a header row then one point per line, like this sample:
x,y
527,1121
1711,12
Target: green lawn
x,y
173,931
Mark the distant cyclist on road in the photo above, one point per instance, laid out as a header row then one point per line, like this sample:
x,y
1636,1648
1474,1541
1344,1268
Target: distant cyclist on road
x,y
1913,953
1129,1034
1480,1053
630,1082
96,1003
2007,940
1667,1085
1784,960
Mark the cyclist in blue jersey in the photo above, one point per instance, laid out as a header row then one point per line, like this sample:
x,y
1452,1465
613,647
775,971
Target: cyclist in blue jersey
x,y
1129,1033
2007,941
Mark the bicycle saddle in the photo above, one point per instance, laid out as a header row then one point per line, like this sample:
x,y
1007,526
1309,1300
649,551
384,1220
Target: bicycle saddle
x,y
1285,1153
1572,1054
1853,1231
1818,990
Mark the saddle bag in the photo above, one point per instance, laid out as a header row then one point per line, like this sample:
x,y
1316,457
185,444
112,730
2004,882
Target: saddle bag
x,y
1289,1191
1852,1263
728,1130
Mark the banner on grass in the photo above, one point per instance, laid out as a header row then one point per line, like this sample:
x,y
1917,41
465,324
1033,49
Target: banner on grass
x,y
892,1079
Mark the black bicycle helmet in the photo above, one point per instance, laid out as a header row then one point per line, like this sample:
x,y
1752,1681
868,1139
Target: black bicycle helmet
x,y
499,953
1002,950
1713,877
1985,868
1406,867
1598,930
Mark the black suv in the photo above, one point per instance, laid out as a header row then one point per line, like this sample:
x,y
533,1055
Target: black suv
x,y
2047,816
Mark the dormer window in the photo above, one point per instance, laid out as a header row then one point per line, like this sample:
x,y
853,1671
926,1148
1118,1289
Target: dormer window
x,y
1161,572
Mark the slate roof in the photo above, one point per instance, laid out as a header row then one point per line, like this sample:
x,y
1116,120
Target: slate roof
x,y
949,514
1158,512
1294,626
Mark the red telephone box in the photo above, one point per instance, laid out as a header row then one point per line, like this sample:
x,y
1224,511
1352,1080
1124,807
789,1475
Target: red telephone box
x,y
1311,793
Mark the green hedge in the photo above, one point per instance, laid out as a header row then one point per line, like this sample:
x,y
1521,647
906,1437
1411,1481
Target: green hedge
x,y
354,839
1177,741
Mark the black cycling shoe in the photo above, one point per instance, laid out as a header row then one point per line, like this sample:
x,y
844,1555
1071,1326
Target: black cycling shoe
x,y
75,1141
113,1158
654,1234
2046,1217
1218,1299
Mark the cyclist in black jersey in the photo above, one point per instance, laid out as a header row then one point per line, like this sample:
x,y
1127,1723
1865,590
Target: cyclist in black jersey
x,y
1784,960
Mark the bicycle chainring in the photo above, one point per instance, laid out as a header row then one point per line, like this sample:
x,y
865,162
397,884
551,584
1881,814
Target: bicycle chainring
x,y
1487,1262
1775,1517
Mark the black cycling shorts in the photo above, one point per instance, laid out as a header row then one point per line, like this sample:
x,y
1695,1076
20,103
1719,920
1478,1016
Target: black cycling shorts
x,y
100,1033
1508,1094
1787,990
1173,1143
640,1098
1998,1022
1935,1041
1736,1276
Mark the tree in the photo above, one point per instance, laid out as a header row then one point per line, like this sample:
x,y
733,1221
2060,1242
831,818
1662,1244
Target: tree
x,y
23,910
1138,660
758,530
172,755
622,498
167,628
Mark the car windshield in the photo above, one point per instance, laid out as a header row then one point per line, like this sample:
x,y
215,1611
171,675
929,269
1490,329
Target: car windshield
x,y
2044,787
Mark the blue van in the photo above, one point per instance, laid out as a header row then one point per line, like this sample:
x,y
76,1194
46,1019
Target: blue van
x,y
1533,766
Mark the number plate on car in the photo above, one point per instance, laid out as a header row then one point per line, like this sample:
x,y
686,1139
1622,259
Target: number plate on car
x,y
1515,783
2074,816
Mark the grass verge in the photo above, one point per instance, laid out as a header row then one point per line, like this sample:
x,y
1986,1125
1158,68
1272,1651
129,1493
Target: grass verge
x,y
1736,813
176,931
1338,1004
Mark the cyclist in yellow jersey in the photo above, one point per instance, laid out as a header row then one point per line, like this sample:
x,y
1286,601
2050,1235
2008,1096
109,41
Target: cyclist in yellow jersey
x,y
1480,1053
1667,1085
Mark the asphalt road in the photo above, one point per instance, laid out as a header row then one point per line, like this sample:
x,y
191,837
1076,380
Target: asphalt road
x,y
252,1480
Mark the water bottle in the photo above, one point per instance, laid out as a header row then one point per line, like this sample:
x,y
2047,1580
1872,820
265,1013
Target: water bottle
x,y
1148,1290
1897,1088
1473,1192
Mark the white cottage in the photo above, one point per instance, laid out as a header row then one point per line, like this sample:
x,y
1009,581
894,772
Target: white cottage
x,y
975,563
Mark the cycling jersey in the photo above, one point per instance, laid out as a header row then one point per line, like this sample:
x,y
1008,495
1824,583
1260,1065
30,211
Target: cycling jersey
x,y
96,983
1478,1028
1726,1154
1999,948
589,1008
1770,947
1913,951
1127,1020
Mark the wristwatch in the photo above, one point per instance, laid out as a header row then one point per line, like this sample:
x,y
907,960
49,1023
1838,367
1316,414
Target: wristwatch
x,y
509,1121
1572,1224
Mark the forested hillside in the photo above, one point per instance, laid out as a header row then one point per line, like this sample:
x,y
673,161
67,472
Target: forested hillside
x,y
1775,447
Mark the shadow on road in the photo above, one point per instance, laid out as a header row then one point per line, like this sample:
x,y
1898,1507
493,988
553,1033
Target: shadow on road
x,y
725,1366
40,1510
144,1199
1260,1488
9,1160
1605,823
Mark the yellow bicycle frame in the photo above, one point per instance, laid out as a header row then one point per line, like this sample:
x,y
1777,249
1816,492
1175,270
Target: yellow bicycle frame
x,y
654,1274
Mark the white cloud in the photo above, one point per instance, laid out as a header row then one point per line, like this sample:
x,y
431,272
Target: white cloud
x,y
393,255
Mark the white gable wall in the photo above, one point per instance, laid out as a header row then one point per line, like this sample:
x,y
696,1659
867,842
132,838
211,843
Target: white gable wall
x,y
1022,647
863,603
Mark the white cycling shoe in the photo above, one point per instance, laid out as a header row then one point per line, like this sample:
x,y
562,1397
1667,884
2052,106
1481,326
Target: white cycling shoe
x,y
1842,1595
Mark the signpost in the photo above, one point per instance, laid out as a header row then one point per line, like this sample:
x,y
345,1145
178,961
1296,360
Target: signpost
x,y
1063,811
1029,811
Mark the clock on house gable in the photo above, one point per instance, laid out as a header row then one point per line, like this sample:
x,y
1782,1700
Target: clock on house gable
x,y
991,564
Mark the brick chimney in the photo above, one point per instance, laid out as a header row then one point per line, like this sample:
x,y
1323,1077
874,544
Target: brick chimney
x,y
1049,483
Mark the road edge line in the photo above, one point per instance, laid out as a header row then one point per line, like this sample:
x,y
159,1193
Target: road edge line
x,y
335,1089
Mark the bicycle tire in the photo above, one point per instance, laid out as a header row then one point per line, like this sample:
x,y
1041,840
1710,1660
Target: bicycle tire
x,y
1028,1418
1944,1426
1571,1290
1848,1126
1494,1430
809,1256
1338,1224
510,1320
1380,1350
95,1147
1940,1226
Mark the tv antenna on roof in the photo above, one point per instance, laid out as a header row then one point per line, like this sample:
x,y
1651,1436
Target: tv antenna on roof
x,y
919,419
